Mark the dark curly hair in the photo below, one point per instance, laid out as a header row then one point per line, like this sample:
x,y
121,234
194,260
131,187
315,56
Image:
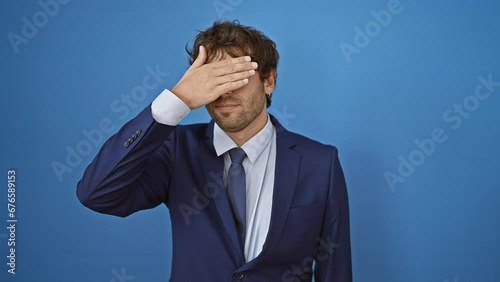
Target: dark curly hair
x,y
237,40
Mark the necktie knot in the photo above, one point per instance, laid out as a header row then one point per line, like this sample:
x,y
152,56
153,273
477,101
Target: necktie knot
x,y
237,155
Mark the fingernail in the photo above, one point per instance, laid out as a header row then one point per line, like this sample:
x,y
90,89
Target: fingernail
x,y
247,58
251,71
255,65
245,80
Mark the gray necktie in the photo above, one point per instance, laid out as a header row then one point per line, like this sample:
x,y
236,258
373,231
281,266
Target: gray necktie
x,y
236,190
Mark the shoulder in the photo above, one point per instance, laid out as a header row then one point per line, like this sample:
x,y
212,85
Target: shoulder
x,y
302,144
311,147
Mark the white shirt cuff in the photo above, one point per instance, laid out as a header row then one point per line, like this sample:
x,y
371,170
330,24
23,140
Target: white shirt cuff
x,y
168,109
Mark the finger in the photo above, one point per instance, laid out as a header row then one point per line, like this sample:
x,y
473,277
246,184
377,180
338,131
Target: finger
x,y
230,86
232,77
235,68
231,61
202,57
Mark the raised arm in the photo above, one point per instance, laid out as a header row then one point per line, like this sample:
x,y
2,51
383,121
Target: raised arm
x,y
132,170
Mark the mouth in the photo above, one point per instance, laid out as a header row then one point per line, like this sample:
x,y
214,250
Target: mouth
x,y
226,107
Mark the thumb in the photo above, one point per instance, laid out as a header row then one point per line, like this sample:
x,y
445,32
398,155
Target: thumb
x,y
202,57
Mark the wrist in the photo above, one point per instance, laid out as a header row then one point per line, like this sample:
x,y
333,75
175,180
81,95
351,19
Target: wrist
x,y
179,93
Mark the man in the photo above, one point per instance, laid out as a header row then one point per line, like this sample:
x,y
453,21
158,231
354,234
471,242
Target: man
x,y
248,199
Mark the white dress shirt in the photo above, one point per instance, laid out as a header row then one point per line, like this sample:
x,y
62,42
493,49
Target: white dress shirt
x,y
259,167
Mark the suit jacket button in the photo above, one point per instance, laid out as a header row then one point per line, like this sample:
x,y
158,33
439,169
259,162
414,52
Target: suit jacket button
x,y
126,144
239,275
138,132
130,140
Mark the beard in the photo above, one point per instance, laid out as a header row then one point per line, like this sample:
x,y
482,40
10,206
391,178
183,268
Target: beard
x,y
244,114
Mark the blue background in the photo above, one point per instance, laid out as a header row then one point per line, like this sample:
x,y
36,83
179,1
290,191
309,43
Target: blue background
x,y
442,223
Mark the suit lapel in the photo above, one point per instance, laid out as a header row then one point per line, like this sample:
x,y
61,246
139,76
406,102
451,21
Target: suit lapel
x,y
213,165
285,180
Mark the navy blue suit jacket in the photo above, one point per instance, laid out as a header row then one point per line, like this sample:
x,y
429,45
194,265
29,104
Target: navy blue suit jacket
x,y
147,164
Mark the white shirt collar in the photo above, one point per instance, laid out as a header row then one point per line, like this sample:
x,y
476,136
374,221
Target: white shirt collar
x,y
253,147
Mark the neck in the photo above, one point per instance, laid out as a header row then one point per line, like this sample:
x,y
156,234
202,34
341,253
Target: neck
x,y
248,132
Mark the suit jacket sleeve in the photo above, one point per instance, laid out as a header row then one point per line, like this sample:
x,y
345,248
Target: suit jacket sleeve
x,y
333,256
132,170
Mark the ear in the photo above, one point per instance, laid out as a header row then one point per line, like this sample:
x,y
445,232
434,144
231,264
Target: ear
x,y
270,82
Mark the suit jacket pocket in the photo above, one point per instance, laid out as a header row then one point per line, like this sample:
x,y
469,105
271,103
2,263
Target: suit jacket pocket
x,y
306,212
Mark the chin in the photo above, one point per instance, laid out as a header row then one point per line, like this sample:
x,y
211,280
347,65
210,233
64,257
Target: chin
x,y
229,126
230,123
